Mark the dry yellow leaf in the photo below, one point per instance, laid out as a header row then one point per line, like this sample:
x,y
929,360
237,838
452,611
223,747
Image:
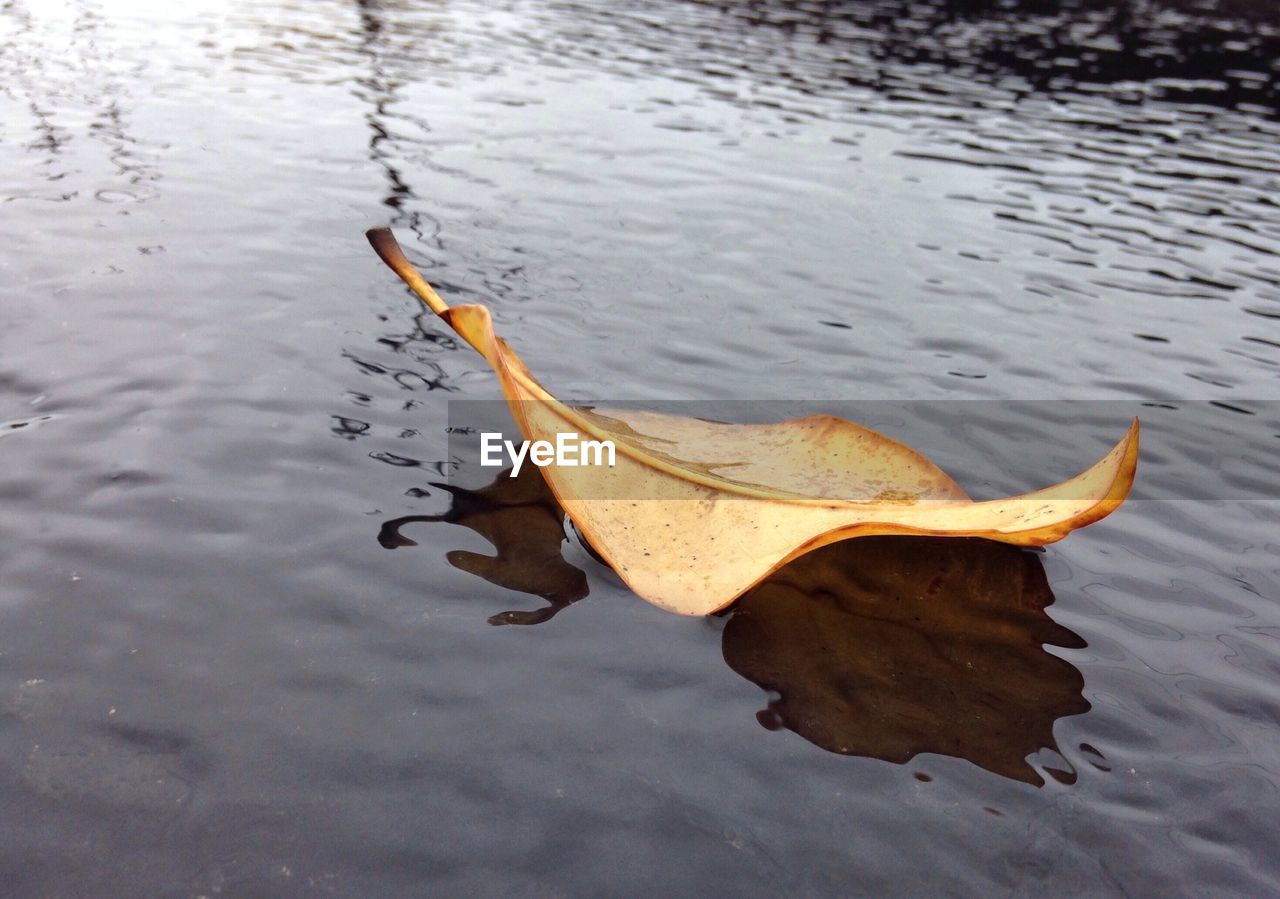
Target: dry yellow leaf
x,y
694,513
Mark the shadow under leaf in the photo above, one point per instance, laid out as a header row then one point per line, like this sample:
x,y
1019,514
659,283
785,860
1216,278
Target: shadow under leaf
x,y
522,520
888,647
884,647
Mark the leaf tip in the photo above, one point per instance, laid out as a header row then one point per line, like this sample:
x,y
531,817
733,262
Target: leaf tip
x,y
384,243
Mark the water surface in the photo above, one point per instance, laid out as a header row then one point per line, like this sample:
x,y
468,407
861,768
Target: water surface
x,y
214,677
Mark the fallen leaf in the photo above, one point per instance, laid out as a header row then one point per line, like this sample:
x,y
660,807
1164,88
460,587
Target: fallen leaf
x,y
694,513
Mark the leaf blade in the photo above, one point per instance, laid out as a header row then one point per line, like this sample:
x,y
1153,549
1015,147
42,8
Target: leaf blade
x,y
687,535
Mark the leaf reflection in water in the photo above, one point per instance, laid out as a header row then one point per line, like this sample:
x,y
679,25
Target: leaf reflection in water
x,y
522,520
885,647
889,647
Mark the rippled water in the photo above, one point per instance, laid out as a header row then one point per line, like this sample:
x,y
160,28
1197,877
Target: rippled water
x,y
217,409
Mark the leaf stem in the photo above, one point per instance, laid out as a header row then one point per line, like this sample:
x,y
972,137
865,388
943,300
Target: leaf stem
x,y
385,245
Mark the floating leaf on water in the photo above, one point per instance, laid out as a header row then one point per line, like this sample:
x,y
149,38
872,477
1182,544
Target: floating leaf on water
x,y
695,513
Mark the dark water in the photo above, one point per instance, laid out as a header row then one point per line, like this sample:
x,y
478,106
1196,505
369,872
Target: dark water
x,y
218,407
